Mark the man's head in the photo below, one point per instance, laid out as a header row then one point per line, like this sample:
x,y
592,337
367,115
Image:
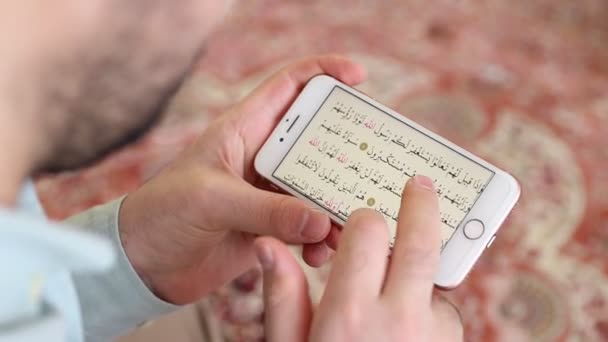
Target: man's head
x,y
93,75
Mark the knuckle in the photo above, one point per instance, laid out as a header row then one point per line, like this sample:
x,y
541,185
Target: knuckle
x,y
368,227
423,259
428,209
426,202
425,210
367,221
204,188
207,195
276,213
352,318
359,261
284,216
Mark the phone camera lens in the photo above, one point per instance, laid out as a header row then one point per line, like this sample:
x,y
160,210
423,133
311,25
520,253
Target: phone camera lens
x,y
281,140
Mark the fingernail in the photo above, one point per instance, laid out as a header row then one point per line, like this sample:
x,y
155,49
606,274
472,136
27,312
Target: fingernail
x,y
316,226
423,181
265,256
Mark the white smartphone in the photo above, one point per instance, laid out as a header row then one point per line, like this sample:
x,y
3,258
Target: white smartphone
x,y
341,150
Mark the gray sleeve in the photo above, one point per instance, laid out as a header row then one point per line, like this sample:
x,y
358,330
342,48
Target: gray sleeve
x,y
115,301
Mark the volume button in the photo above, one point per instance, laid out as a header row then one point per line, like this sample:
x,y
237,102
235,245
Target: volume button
x,y
491,241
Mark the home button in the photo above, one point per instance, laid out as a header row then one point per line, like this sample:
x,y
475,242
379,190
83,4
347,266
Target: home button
x,y
473,229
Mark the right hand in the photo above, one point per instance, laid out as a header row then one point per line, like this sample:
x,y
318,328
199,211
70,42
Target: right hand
x,y
368,297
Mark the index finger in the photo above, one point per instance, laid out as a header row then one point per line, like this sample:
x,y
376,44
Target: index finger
x,y
415,258
257,115
359,266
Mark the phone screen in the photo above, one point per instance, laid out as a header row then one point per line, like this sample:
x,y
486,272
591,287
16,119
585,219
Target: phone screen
x,y
352,155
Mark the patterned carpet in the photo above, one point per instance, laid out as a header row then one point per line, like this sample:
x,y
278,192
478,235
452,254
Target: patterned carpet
x,y
524,84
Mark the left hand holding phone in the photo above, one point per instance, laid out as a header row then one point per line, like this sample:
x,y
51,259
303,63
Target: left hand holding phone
x,y
191,229
369,297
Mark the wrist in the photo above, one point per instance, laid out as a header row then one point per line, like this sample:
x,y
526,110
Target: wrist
x,y
133,242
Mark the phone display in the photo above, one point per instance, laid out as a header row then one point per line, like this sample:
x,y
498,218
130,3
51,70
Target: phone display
x,y
352,154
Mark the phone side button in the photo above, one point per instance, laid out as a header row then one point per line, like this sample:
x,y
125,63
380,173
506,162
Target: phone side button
x,y
491,241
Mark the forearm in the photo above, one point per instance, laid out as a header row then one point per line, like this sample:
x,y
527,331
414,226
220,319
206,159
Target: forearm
x,y
115,301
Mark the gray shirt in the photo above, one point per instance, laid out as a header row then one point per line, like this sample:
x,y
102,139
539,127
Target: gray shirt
x,y
74,284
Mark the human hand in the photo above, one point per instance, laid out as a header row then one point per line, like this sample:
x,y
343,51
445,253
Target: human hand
x,y
191,229
368,297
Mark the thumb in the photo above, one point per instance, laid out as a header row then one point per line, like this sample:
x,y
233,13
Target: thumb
x,y
261,212
287,303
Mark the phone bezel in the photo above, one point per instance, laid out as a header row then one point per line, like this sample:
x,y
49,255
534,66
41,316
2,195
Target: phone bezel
x,y
460,253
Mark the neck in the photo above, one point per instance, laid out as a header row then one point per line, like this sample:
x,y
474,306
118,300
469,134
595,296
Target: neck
x,y
16,158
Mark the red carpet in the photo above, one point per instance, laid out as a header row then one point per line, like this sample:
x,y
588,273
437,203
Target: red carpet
x,y
524,84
